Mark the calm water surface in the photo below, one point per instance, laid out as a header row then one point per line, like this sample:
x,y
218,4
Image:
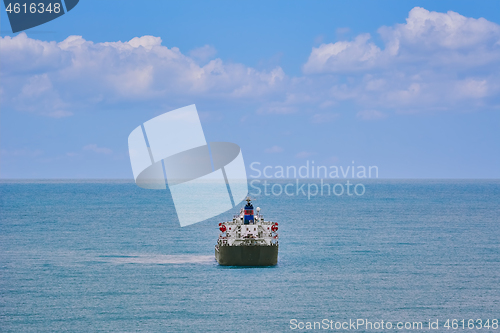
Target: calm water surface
x,y
109,256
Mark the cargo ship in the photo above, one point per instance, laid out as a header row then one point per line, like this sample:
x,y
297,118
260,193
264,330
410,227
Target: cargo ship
x,y
247,240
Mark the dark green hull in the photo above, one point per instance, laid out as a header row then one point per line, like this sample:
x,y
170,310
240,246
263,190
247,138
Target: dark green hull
x,y
244,255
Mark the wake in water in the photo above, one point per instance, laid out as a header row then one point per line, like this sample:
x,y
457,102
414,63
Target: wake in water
x,y
149,259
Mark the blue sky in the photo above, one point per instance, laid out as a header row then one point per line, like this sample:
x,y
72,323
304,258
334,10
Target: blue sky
x,y
410,86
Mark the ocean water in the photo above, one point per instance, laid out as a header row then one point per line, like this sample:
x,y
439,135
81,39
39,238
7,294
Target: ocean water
x,y
89,256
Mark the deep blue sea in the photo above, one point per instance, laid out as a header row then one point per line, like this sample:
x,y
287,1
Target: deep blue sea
x,y
88,256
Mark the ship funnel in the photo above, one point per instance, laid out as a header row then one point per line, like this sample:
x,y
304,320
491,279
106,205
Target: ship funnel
x,y
248,216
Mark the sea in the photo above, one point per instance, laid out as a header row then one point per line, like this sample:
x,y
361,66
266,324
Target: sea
x,y
108,256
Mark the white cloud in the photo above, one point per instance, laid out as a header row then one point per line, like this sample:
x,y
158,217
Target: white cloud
x,y
428,31
305,154
38,95
22,152
203,53
473,88
96,149
343,56
341,31
274,149
433,61
147,42
370,115
79,72
436,39
278,108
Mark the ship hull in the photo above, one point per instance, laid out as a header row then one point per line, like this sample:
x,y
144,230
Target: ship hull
x,y
245,255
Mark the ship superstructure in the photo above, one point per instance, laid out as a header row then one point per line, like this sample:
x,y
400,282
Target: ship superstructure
x,y
247,240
